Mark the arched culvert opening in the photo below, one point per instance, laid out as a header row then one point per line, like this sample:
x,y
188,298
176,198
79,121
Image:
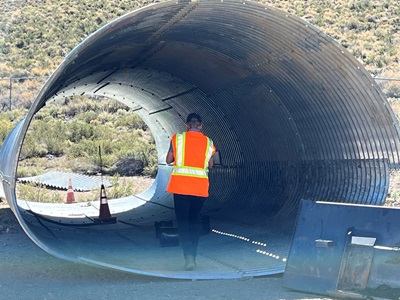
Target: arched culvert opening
x,y
292,113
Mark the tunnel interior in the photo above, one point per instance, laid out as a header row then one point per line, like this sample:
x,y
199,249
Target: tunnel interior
x,y
292,113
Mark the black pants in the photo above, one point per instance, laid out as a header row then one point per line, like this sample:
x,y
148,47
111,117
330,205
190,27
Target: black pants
x,y
187,212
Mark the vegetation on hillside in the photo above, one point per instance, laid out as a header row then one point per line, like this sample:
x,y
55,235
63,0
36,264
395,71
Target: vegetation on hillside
x,y
35,36
369,29
85,136
8,120
82,130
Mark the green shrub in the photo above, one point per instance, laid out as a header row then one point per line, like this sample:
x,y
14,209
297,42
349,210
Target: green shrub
x,y
87,116
5,128
120,187
29,171
44,136
7,122
129,120
76,127
38,193
30,148
79,130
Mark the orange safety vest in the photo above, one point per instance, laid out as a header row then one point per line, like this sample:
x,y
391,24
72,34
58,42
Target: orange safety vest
x,y
192,151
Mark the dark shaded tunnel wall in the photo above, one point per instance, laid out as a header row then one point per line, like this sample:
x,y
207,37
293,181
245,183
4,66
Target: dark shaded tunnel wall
x,y
293,114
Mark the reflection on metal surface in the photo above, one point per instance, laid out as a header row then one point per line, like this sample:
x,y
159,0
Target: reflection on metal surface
x,y
292,113
323,243
363,241
355,268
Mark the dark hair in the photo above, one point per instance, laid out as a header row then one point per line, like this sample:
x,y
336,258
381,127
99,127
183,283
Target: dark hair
x,y
193,117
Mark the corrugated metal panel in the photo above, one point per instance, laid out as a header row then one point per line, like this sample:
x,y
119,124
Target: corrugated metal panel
x,y
60,180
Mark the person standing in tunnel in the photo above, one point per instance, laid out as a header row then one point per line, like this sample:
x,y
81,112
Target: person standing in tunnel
x,y
191,152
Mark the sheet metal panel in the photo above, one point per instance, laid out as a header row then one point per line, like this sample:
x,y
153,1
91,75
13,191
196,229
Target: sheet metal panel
x,y
60,180
340,249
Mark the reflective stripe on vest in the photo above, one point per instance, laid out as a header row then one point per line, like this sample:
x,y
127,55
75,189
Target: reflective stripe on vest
x,y
190,171
180,149
180,168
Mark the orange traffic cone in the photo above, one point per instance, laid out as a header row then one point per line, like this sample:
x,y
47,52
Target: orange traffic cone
x,y
105,215
70,193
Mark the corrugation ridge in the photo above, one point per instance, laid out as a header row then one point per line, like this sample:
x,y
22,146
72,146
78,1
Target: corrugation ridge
x,y
333,101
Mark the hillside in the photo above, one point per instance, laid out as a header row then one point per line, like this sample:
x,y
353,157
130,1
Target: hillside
x,y
37,35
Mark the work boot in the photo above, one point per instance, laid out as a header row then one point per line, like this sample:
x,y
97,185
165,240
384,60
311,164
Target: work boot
x,y
190,263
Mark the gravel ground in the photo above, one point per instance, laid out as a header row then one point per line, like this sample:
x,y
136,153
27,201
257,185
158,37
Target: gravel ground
x,y
27,272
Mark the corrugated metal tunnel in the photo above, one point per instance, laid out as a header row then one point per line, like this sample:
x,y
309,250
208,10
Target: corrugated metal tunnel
x,y
292,113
